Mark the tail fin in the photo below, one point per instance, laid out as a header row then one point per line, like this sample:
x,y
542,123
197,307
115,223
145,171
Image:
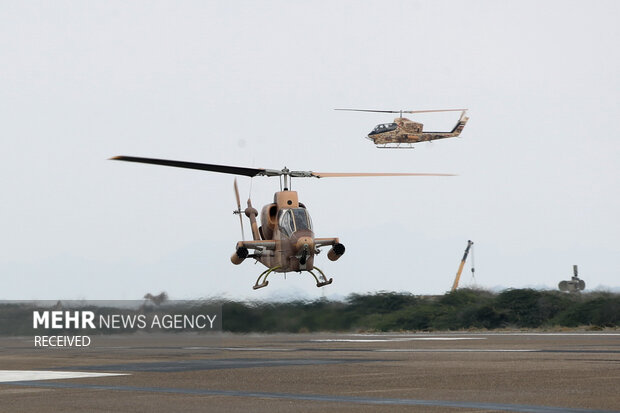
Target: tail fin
x,y
458,128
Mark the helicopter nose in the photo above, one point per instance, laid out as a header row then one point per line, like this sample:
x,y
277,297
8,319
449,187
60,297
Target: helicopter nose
x,y
305,243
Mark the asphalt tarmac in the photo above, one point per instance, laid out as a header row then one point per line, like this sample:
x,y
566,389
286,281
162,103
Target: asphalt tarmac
x,y
452,372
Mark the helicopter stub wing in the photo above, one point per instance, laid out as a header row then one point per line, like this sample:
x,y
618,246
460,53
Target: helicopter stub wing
x,y
256,245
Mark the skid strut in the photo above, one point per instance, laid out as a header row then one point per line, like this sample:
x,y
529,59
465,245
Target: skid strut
x,y
265,273
321,280
322,276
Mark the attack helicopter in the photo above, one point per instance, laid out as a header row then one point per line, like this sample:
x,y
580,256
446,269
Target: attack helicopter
x,y
403,133
284,241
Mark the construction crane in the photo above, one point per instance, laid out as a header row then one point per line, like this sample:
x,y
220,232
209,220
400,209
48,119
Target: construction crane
x,y
461,265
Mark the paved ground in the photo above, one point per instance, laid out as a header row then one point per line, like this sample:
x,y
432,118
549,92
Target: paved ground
x,y
517,372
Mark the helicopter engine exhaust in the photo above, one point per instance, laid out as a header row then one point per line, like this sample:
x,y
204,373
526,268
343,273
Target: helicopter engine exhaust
x,y
336,251
239,255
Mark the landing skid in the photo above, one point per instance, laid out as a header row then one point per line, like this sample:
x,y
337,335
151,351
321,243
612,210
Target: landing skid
x,y
322,276
396,145
321,280
265,273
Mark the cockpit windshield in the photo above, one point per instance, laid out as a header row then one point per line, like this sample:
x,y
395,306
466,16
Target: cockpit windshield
x,y
302,219
295,219
384,127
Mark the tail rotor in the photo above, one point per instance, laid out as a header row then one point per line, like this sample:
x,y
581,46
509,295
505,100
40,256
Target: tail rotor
x,y
238,211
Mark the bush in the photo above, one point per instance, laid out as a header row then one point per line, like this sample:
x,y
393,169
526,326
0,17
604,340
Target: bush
x,y
391,311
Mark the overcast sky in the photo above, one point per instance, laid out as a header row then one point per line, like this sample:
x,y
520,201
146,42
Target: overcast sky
x,y
255,84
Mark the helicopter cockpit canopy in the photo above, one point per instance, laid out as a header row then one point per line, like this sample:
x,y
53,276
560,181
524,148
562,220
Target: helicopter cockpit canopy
x,y
294,219
384,127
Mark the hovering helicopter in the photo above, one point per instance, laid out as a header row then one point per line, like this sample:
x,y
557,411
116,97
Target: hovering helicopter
x,y
403,133
284,241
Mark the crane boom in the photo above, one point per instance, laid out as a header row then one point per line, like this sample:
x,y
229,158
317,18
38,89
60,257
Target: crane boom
x,y
461,265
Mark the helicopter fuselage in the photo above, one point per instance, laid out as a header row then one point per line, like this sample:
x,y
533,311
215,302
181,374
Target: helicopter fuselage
x,y
285,241
403,130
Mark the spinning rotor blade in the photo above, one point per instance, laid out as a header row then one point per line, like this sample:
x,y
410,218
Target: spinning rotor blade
x,y
404,111
237,195
235,170
354,174
434,110
239,209
370,110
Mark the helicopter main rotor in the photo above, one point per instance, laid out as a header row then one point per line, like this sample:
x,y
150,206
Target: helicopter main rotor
x,y
251,172
279,250
404,111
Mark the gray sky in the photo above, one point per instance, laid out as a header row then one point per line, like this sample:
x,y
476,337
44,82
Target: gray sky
x,y
255,84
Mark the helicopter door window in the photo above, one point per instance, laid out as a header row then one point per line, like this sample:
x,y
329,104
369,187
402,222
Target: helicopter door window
x,y
286,222
302,219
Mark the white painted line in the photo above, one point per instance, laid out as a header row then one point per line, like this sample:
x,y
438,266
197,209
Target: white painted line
x,y
581,334
554,334
32,375
115,347
456,350
240,348
383,340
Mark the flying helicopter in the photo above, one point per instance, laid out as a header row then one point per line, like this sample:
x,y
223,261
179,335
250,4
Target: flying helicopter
x,y
403,133
284,241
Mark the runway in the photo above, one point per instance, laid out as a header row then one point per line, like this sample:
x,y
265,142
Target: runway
x,y
453,372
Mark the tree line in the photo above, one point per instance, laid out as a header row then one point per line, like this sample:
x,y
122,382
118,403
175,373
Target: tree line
x,y
462,309
457,310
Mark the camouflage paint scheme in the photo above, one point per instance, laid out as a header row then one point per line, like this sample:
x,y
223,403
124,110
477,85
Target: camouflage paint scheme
x,y
409,132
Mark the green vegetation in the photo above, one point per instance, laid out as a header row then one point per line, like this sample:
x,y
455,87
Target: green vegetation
x,y
458,310
463,309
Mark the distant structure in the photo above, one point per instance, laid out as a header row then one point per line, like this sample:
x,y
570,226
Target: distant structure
x,y
157,299
575,284
455,285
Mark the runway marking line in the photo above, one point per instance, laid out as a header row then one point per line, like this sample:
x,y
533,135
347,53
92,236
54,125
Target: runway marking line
x,y
584,334
12,376
454,350
387,340
240,348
